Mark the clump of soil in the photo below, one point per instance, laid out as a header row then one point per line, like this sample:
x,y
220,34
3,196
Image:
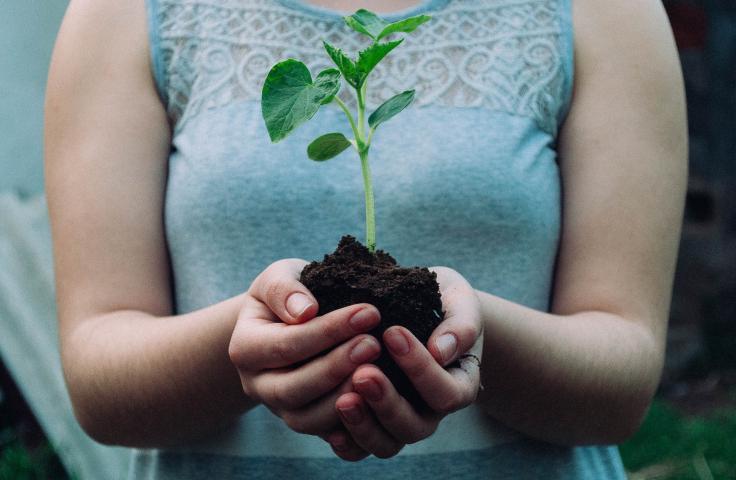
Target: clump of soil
x,y
409,297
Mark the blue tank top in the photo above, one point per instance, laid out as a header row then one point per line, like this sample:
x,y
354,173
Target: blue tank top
x,y
466,177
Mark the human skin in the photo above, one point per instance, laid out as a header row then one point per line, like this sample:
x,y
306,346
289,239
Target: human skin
x,y
585,372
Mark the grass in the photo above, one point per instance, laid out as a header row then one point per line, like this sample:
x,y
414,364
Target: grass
x,y
17,462
25,454
671,446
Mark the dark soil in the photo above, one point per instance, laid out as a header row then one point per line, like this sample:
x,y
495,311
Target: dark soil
x,y
409,297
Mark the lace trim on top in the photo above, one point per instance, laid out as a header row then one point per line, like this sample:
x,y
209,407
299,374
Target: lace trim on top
x,y
506,55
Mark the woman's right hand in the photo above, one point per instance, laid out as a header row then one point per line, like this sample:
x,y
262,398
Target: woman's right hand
x,y
278,343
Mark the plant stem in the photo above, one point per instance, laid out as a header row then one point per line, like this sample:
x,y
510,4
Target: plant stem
x,y
370,216
363,146
370,136
349,115
361,111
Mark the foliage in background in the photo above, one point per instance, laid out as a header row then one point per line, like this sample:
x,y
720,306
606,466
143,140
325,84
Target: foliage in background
x,y
24,452
670,446
19,463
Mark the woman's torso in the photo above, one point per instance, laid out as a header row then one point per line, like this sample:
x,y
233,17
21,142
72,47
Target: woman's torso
x,y
467,177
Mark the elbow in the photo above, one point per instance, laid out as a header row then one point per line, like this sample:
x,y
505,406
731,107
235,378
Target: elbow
x,y
610,423
620,428
622,413
96,427
93,409
91,413
633,414
626,403
116,428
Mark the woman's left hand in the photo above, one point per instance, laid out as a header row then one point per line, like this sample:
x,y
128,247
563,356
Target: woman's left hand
x,y
377,418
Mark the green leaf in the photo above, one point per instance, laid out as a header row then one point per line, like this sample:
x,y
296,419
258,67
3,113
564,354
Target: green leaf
x,y
371,56
327,83
364,21
390,107
368,23
407,25
290,98
327,146
344,63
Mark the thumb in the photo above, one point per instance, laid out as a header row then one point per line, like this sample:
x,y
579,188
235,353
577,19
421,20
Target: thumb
x,y
278,287
461,329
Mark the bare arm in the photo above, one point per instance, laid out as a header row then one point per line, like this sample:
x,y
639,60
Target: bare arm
x,y
586,372
136,374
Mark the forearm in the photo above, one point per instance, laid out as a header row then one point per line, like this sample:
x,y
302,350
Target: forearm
x,y
140,380
586,378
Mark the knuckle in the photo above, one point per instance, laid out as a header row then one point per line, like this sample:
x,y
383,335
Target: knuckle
x,y
466,334
388,451
276,291
282,398
234,353
238,353
296,422
413,432
387,413
450,403
336,370
333,329
417,368
284,351
424,432
248,388
410,437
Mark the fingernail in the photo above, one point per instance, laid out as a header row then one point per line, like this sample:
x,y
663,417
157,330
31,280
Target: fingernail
x,y
447,345
364,319
297,303
352,415
397,342
369,389
364,351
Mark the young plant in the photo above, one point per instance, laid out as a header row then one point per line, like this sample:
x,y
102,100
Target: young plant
x,y
290,97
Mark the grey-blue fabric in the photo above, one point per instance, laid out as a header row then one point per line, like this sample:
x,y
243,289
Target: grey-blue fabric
x,y
467,177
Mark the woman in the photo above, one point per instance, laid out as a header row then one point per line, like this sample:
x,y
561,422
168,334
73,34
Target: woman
x,y
183,325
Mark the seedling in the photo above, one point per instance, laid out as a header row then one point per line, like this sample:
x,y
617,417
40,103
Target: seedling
x,y
290,97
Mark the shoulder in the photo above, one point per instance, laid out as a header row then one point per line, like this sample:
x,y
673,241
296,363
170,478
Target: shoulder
x,y
633,35
627,69
98,33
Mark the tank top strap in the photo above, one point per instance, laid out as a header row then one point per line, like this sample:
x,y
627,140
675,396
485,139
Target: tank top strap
x,y
153,14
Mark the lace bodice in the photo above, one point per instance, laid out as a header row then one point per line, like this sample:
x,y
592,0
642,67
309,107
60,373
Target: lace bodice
x,y
503,55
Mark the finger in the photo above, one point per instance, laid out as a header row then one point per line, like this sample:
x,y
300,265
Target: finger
x,y
392,411
276,345
294,388
344,446
319,417
462,325
364,429
279,288
444,391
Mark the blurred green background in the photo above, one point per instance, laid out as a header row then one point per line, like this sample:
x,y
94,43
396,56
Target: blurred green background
x,y
690,432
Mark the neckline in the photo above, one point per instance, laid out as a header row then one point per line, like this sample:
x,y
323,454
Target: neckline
x,y
421,7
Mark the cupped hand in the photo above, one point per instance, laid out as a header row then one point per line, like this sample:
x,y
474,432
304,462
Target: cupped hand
x,y
377,419
278,349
